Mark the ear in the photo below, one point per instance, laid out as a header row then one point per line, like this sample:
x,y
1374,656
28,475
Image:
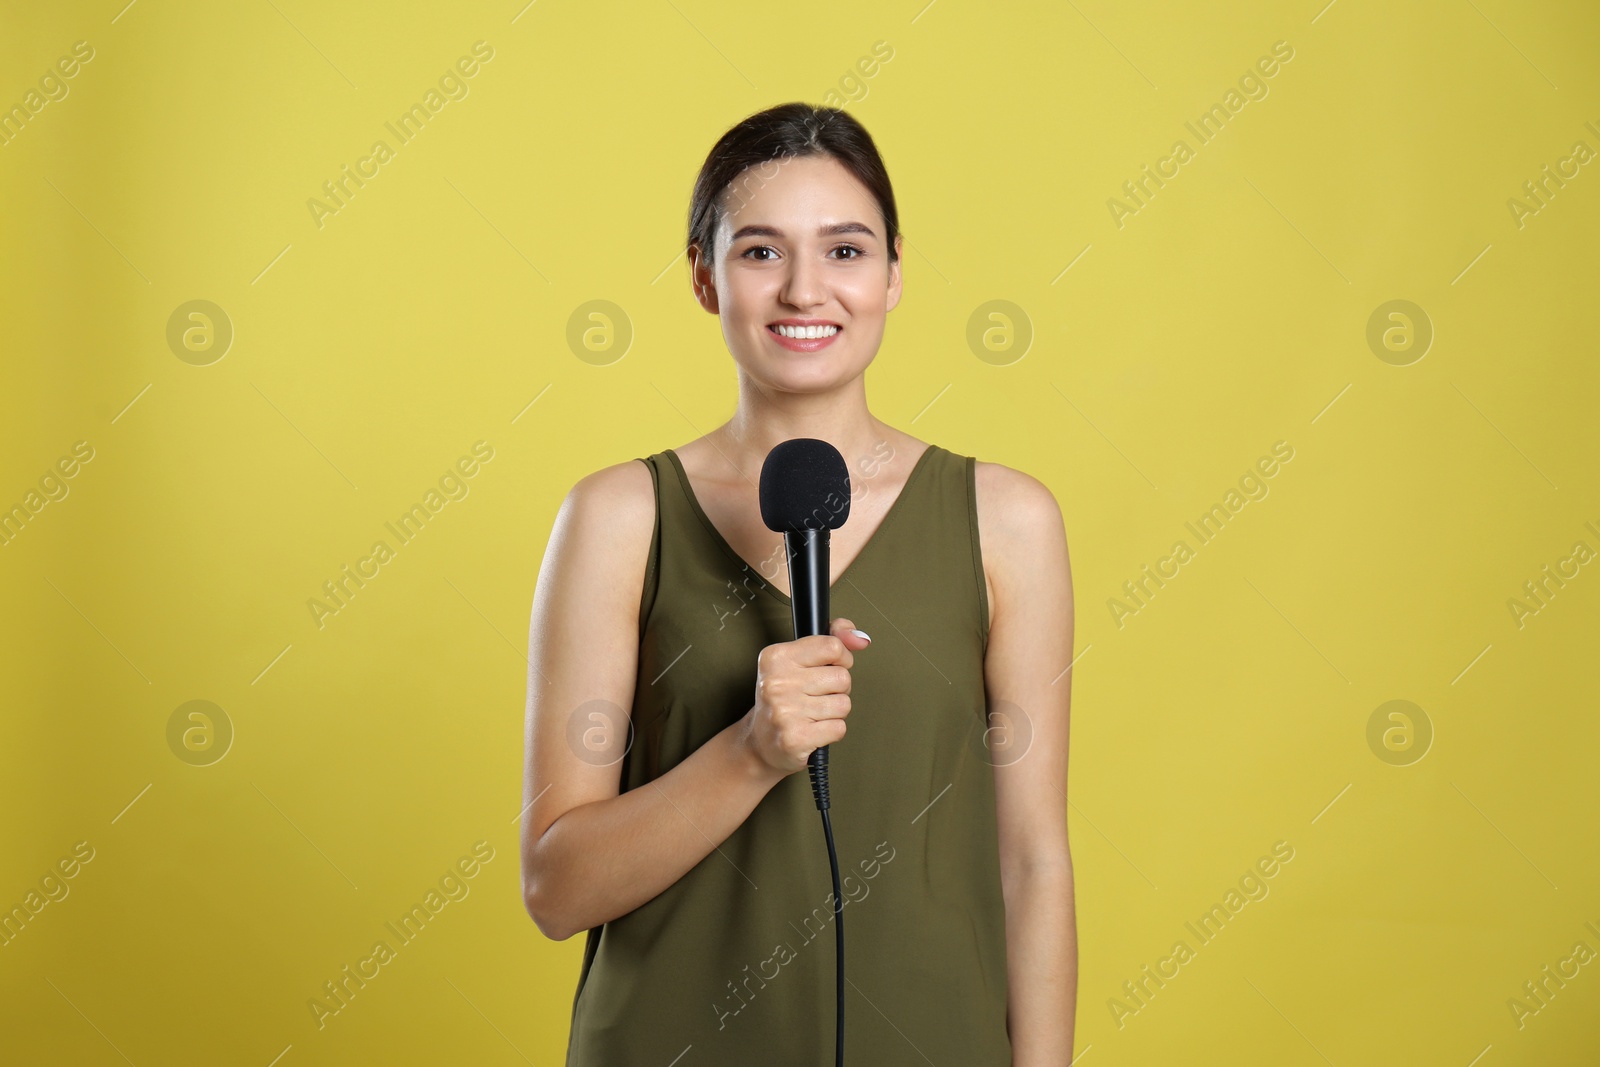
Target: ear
x,y
705,290
894,274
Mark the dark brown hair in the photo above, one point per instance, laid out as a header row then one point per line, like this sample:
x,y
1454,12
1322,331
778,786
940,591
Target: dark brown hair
x,y
764,140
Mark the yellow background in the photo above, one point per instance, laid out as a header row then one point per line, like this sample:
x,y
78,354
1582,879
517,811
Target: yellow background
x,y
371,352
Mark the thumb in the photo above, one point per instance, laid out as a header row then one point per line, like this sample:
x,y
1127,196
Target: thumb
x,y
845,630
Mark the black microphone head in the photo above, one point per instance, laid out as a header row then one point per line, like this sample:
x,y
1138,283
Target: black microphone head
x,y
805,484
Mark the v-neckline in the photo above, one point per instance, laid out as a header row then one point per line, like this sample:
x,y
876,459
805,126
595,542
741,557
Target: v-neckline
x,y
716,534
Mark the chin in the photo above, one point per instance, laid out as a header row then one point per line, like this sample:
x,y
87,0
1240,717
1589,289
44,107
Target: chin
x,y
818,377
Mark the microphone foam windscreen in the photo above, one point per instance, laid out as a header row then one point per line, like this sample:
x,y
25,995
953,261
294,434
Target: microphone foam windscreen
x,y
805,484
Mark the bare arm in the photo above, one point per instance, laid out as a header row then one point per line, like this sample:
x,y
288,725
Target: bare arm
x,y
590,854
1030,646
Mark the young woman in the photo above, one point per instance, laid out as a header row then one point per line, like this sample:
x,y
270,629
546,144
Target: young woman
x,y
669,707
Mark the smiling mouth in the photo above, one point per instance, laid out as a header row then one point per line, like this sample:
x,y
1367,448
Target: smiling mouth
x,y
804,333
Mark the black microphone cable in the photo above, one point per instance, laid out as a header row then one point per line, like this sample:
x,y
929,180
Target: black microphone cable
x,y
817,765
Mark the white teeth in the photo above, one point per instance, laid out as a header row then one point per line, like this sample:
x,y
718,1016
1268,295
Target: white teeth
x,y
802,333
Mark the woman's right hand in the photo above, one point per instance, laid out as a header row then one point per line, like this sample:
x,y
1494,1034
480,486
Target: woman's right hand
x,y
802,696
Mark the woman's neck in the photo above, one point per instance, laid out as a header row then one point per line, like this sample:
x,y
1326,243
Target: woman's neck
x,y
762,421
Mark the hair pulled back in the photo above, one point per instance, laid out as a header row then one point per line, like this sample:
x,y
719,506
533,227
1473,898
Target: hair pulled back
x,y
750,154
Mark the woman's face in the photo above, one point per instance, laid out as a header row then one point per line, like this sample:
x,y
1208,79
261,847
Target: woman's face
x,y
801,243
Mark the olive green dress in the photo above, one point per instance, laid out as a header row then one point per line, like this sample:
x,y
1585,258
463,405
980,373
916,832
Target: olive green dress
x,y
734,963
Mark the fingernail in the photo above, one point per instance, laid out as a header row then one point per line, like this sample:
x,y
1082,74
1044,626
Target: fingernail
x,y
862,634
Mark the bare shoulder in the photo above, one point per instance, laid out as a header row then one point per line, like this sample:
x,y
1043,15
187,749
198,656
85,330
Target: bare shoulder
x,y
620,498
606,519
1013,501
1022,533
625,490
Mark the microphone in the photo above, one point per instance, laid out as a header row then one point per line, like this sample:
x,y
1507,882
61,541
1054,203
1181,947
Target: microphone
x,y
805,492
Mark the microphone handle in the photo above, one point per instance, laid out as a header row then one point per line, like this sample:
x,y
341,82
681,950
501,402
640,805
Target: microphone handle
x,y
808,598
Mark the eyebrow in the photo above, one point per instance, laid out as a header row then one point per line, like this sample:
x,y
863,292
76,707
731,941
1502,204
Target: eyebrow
x,y
834,229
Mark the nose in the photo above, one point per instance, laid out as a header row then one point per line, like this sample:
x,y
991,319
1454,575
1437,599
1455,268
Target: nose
x,y
804,286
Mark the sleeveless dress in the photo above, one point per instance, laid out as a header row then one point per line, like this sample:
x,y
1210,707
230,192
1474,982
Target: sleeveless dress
x,y
733,964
